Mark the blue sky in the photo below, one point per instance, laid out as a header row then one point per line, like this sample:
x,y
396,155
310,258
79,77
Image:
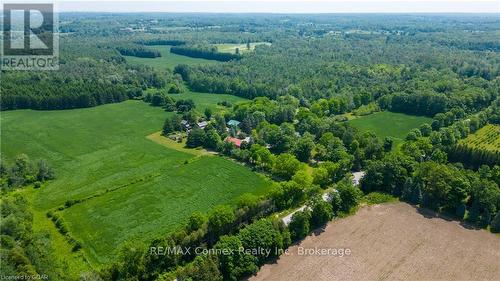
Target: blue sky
x,y
278,6
281,6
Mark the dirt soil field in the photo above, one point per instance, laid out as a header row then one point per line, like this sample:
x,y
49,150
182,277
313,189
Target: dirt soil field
x,y
392,242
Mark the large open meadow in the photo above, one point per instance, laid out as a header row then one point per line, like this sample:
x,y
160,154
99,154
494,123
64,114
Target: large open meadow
x,y
131,186
167,59
206,100
389,124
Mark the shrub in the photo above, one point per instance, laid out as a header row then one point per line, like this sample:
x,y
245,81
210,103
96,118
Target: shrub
x,y
378,198
350,196
322,212
495,224
262,234
299,225
335,201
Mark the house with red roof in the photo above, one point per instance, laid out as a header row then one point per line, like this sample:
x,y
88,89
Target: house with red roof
x,y
235,141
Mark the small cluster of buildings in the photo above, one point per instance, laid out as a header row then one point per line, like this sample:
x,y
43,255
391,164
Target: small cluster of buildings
x,y
185,124
232,128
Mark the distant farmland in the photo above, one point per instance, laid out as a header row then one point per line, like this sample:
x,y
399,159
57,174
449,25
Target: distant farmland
x,y
132,187
392,242
243,48
389,124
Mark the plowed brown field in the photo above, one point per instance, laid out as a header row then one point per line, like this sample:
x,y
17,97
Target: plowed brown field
x,y
392,242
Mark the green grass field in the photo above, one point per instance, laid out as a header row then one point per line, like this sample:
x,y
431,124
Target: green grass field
x,y
204,100
139,188
486,138
389,124
231,48
167,59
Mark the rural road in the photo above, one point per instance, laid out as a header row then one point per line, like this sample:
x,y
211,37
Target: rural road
x,y
356,178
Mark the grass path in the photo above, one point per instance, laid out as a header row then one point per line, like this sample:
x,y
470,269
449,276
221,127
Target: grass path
x,y
162,140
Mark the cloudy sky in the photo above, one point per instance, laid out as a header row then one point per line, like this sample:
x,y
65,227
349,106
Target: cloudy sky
x,y
281,6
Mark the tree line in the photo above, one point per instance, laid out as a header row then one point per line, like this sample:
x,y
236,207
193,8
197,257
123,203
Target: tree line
x,y
138,52
79,84
23,252
153,42
204,53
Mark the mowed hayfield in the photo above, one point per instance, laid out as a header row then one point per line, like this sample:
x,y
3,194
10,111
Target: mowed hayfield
x,y
389,124
167,59
136,188
243,48
393,241
486,138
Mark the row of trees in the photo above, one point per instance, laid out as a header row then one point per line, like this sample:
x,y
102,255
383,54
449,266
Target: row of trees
x,y
139,52
473,156
153,42
24,252
204,53
462,193
83,83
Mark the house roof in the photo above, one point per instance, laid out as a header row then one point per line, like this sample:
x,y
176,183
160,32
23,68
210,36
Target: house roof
x,y
233,122
236,141
202,124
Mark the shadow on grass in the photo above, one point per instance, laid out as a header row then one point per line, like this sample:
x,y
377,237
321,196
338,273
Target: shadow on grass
x,y
430,214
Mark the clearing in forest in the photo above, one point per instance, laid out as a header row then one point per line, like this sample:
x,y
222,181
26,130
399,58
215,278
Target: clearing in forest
x,y
389,124
167,60
243,48
208,100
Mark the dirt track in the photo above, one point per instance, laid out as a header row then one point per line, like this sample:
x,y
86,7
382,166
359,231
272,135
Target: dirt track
x,y
392,242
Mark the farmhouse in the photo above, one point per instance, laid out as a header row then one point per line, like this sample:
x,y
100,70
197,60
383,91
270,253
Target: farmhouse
x,y
237,142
